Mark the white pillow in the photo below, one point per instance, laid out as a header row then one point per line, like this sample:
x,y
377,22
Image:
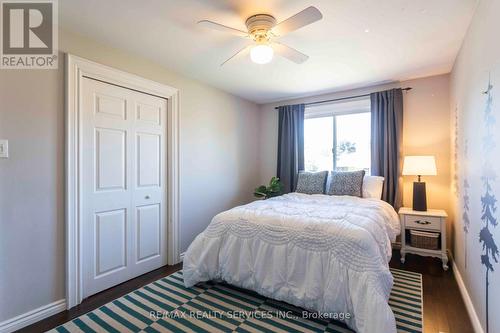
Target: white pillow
x,y
372,187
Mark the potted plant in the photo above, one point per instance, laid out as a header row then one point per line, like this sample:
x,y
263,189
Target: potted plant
x,y
272,190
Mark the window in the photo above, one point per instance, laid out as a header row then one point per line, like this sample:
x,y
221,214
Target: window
x,y
338,136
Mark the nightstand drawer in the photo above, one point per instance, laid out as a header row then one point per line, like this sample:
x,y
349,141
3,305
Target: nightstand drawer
x,y
423,222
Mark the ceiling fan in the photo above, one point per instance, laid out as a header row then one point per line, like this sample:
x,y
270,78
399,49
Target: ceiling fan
x,y
263,30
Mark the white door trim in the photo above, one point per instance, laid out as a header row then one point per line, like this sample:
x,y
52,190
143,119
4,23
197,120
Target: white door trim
x,y
76,69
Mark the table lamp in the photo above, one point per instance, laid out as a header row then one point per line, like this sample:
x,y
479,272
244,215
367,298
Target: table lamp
x,y
419,166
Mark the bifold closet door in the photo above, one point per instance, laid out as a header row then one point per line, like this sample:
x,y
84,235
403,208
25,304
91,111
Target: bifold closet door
x,y
123,190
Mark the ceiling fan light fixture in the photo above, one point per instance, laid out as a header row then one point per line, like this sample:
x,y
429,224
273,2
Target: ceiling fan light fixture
x,y
261,54
263,29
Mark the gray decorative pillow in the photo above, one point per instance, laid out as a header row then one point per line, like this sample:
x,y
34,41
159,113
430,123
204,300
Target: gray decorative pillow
x,y
347,183
312,182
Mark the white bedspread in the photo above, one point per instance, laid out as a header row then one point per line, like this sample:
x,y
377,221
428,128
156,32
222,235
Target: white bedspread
x,y
323,253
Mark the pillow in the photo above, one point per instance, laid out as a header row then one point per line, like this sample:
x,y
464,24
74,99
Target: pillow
x,y
346,183
372,187
312,182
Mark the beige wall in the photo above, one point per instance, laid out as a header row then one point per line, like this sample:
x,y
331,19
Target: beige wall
x,y
31,190
477,61
426,131
219,166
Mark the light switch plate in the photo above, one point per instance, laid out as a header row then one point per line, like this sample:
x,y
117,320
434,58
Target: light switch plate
x,y
4,148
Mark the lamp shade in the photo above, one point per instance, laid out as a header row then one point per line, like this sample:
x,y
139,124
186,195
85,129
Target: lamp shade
x,y
419,166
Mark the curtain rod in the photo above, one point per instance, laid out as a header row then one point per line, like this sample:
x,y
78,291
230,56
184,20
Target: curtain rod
x,y
344,98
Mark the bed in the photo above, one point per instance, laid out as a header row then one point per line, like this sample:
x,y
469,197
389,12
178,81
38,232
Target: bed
x,y
327,254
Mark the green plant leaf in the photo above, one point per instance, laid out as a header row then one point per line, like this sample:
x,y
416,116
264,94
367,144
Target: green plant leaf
x,y
272,190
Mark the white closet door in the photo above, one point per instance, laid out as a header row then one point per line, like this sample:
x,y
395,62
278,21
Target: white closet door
x,y
149,183
123,199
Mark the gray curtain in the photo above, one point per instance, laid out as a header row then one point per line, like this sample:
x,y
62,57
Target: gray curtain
x,y
387,130
290,145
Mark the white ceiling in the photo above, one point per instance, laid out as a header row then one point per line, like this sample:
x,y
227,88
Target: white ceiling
x,y
357,43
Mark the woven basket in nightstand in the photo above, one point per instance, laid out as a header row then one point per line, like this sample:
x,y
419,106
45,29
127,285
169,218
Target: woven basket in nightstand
x,y
424,239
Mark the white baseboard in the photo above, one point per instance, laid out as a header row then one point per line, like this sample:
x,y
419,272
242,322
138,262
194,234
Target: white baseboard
x,y
31,317
476,324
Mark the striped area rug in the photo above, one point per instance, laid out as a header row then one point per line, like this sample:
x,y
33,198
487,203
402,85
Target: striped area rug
x,y
167,306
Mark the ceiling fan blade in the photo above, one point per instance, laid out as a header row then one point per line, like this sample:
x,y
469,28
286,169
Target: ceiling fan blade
x,y
220,27
289,53
307,16
241,53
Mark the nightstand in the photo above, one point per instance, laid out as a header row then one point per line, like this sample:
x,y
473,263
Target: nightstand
x,y
432,220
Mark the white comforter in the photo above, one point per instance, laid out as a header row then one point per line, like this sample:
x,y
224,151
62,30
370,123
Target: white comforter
x,y
324,253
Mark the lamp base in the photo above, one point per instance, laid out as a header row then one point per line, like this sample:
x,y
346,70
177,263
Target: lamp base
x,y
419,197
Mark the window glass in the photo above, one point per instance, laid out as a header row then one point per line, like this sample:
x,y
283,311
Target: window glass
x,y
353,142
337,140
318,144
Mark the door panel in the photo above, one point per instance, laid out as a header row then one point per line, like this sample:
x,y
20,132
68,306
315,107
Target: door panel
x,y
148,231
110,106
111,242
149,114
123,199
148,160
110,153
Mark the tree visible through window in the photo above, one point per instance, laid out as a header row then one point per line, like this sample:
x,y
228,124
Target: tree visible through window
x,y
339,142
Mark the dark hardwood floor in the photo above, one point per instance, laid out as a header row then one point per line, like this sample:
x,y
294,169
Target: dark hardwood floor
x,y
444,309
